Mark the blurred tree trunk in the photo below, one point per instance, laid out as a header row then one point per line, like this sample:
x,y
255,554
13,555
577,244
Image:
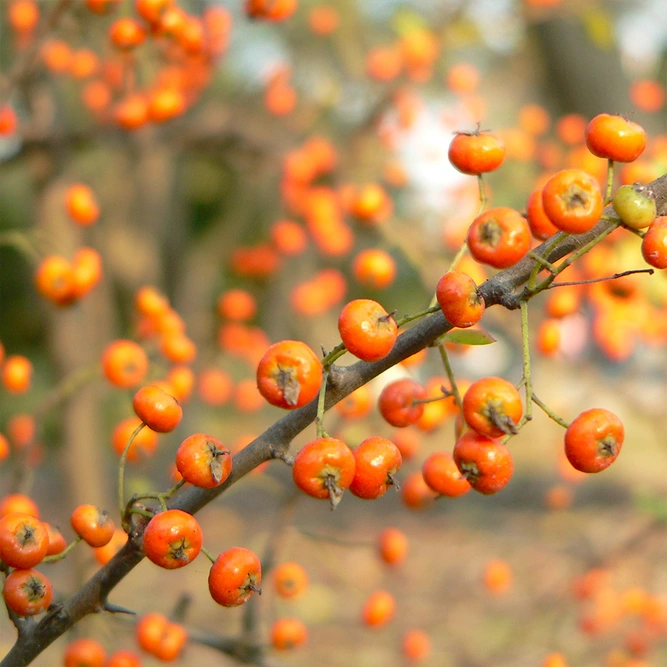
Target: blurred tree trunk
x,y
583,69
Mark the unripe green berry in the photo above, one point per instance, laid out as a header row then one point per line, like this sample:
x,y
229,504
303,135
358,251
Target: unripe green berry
x,y
635,206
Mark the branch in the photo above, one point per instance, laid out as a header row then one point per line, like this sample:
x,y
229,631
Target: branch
x,y
501,289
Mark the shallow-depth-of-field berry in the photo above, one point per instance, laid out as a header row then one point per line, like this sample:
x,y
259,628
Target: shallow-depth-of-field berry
x,y
289,374
234,576
172,539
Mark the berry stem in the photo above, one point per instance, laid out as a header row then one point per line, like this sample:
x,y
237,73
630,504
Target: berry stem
x,y
549,412
459,256
452,380
335,354
527,369
553,242
610,181
64,552
482,193
208,554
162,497
541,261
121,476
422,313
536,289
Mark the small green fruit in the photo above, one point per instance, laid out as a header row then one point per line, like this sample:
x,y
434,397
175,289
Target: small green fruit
x,y
635,206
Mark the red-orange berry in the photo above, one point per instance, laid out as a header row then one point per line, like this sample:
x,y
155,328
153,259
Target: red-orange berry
x,y
203,461
376,462
18,502
24,540
443,476
123,658
615,138
476,153
367,330
459,299
234,577
92,524
159,410
654,243
374,268
81,204
378,609
324,468
392,546
172,539
27,592
290,579
57,543
540,225
161,638
486,463
85,652
497,576
416,646
289,374
54,279
144,444
17,373
124,363
594,440
399,402
287,633
572,200
499,237
492,406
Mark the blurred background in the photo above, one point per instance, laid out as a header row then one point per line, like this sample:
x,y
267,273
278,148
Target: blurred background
x,y
297,162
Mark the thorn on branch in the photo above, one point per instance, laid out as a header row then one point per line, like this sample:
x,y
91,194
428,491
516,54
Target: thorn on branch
x,y
116,609
282,455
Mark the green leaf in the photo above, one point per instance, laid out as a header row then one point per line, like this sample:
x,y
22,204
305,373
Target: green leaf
x,y
463,337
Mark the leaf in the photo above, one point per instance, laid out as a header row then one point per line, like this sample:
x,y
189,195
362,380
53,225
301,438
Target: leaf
x,y
463,337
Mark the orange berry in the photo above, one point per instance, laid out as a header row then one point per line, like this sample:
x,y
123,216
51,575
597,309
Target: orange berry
x,y
287,633
379,609
124,363
290,579
81,204
289,237
143,445
374,268
18,503
8,121
23,16
54,279
17,373
21,429
86,271
157,409
237,305
416,646
462,78
497,577
393,546
178,348
323,19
